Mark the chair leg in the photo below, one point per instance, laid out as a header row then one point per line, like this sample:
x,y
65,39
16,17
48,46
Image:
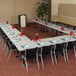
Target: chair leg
x,y
0,40
26,62
4,47
22,62
2,43
37,59
52,57
55,57
42,61
64,55
74,52
6,51
9,54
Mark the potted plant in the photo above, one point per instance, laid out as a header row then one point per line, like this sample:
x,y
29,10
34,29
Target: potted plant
x,y
42,9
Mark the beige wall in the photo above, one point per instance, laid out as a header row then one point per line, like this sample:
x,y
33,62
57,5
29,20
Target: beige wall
x,y
10,9
67,12
68,1
54,10
28,7
55,7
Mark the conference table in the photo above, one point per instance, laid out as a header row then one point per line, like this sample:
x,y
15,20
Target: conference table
x,y
23,42
53,26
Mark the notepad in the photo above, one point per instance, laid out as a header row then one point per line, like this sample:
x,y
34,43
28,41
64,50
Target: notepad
x,y
25,46
64,39
40,43
52,41
9,30
17,40
15,36
11,33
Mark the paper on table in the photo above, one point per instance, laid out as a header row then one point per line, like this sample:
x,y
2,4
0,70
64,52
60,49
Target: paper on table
x,y
11,33
52,41
67,38
40,43
64,39
15,36
25,46
9,30
17,40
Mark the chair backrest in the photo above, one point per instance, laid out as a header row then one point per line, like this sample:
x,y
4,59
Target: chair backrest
x,y
53,47
31,52
74,43
45,50
65,45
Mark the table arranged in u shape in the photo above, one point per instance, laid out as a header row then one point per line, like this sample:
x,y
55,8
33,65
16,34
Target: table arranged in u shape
x,y
22,43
